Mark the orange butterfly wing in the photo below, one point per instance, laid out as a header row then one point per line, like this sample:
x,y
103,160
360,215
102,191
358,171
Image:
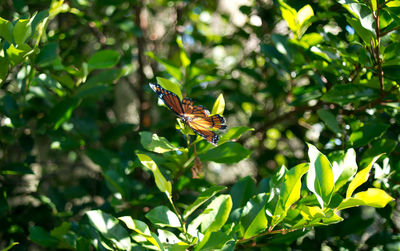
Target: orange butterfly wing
x,y
170,99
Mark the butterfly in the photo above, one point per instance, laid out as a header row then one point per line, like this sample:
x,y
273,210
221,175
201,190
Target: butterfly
x,y
196,117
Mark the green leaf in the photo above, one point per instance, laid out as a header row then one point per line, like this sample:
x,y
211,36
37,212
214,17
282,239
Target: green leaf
x,y
141,228
47,55
303,18
162,184
110,228
349,93
253,218
42,237
218,213
242,191
290,191
103,59
17,54
360,178
62,111
362,12
366,133
154,143
185,61
22,30
170,86
201,199
329,120
364,34
320,179
373,197
212,241
6,30
234,133
163,217
219,105
4,64
172,69
344,168
229,152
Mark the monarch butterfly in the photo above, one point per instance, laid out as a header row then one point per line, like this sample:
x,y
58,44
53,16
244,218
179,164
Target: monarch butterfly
x,y
196,117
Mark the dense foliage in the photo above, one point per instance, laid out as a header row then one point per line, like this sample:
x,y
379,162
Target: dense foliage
x,y
310,91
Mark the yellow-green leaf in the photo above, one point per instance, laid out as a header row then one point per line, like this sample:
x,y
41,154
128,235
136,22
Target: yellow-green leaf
x,y
361,177
373,197
162,184
219,105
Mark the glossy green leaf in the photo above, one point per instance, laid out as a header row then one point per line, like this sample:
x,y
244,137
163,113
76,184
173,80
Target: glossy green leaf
x,y
254,219
366,133
361,177
171,68
242,191
290,191
110,228
62,111
303,18
373,197
170,86
212,241
362,12
320,179
163,217
6,30
344,168
22,30
329,120
219,105
219,208
47,55
154,143
229,152
141,228
349,93
42,237
201,199
162,184
234,133
103,59
17,54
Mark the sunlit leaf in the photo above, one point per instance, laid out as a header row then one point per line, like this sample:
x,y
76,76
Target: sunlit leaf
x,y
170,86
219,105
372,197
163,216
110,228
320,179
141,228
162,184
219,208
154,143
361,177
201,199
6,30
253,218
367,132
22,30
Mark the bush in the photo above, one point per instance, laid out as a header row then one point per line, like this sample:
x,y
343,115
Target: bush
x,y
88,160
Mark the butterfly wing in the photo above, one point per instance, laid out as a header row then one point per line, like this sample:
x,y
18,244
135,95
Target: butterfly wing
x,y
187,105
204,132
170,99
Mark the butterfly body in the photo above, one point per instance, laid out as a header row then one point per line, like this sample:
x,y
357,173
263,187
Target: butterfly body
x,y
196,117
